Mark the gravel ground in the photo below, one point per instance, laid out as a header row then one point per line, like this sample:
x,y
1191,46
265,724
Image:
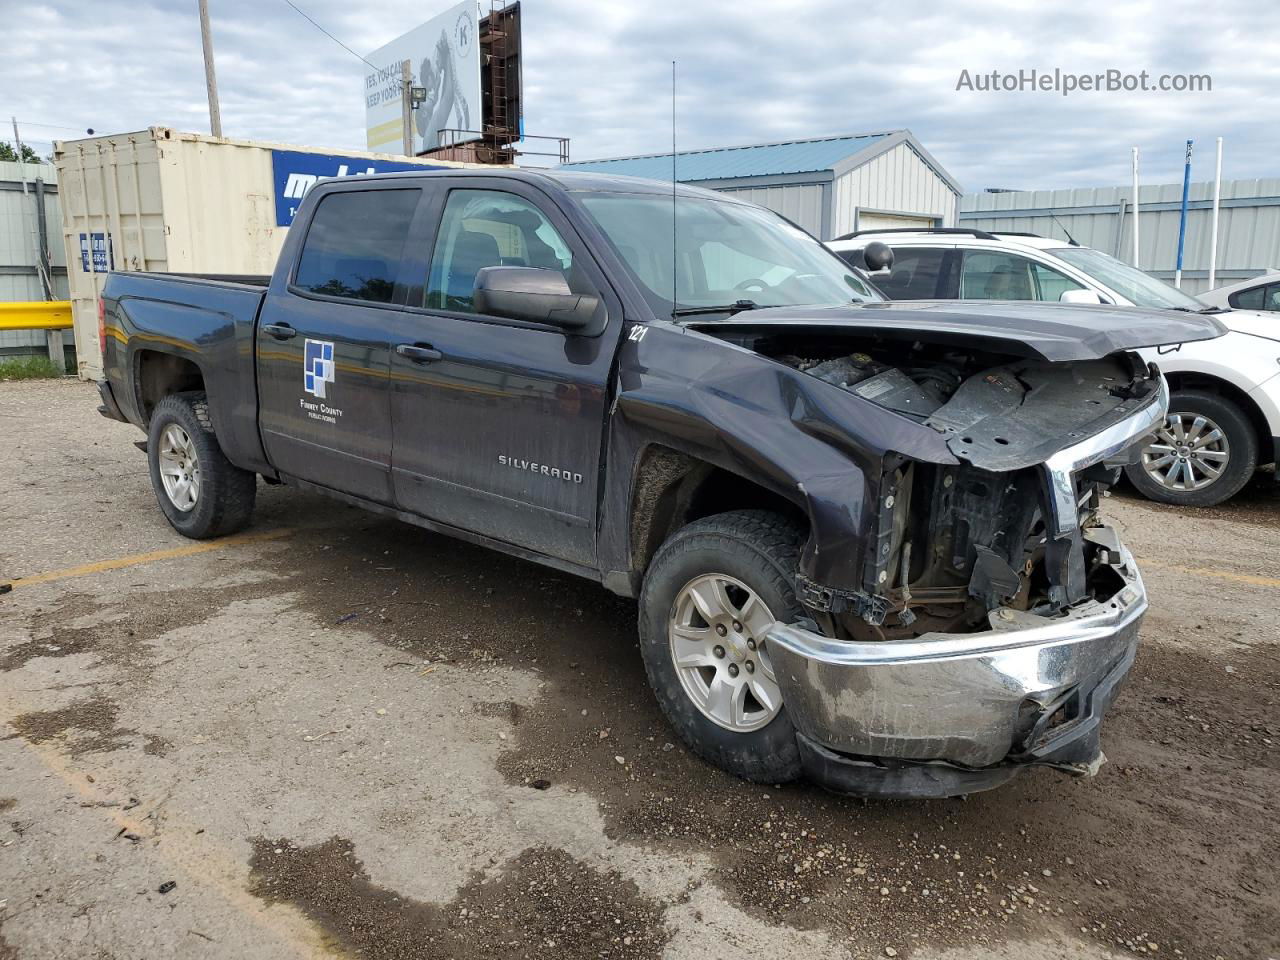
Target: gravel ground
x,y
337,735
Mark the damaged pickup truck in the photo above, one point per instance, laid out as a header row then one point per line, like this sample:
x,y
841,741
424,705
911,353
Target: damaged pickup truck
x,y
864,536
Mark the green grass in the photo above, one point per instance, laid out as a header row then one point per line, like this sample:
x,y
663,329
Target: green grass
x,y
28,368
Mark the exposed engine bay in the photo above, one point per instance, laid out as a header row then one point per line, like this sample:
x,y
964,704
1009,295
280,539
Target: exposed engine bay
x,y
953,543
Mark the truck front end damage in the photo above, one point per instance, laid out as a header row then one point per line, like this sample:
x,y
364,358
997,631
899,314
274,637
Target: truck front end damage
x,y
985,616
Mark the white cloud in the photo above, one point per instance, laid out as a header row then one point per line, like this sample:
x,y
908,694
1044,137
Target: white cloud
x,y
748,72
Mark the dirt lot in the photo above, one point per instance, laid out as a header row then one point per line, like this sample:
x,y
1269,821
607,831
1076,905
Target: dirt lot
x,y
336,735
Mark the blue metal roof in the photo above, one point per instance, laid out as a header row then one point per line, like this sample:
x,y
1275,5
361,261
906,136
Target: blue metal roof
x,y
728,163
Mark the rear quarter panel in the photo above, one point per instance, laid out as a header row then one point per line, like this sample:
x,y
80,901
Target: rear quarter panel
x,y
210,324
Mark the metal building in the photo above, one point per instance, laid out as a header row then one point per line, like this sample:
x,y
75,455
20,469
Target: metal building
x,y
829,186
1102,218
30,241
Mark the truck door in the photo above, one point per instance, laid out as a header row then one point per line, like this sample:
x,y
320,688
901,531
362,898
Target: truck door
x,y
323,343
498,423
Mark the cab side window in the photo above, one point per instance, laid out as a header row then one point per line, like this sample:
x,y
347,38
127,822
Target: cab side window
x,y
354,244
992,275
489,228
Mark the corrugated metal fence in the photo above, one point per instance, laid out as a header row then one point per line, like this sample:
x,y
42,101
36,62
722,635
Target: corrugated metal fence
x,y
19,236
1102,217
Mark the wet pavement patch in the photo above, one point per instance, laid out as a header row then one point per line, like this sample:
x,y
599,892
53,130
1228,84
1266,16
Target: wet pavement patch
x,y
544,903
124,636
87,726
1191,761
799,856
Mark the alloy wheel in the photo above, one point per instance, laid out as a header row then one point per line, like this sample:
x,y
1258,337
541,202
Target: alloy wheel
x,y
1190,453
179,468
716,632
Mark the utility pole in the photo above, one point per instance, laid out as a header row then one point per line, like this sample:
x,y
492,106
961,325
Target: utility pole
x,y
40,248
406,105
1213,236
1182,220
210,79
1136,247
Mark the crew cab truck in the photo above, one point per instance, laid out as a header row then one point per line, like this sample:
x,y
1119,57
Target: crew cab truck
x,y
864,536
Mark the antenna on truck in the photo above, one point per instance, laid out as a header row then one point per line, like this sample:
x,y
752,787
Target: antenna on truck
x,y
675,256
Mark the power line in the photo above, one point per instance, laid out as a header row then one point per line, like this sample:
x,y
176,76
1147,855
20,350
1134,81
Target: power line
x,y
51,126
307,17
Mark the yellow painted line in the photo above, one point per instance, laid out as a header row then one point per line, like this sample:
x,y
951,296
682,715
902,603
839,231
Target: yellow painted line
x,y
36,315
1249,578
138,559
202,860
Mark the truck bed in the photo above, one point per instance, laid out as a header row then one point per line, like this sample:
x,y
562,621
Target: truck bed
x,y
204,320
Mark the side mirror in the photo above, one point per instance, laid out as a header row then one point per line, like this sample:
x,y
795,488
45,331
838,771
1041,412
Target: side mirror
x,y
877,255
533,294
1079,296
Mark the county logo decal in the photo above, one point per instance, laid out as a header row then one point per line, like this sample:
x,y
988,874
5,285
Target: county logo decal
x,y
317,367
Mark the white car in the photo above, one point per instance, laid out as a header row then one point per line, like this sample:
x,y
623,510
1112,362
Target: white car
x,y
1224,411
1258,293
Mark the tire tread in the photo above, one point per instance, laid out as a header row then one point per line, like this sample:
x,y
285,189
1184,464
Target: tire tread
x,y
778,541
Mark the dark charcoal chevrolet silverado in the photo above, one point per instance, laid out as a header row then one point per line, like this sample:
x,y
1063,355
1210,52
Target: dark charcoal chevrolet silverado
x,y
863,535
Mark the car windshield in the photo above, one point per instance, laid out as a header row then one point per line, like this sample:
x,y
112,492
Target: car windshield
x,y
730,255
1140,289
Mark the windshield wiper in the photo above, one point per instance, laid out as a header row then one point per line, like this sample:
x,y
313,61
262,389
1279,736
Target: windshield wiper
x,y
736,307
1212,310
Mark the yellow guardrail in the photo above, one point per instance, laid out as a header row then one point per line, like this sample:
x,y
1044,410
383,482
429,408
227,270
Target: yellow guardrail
x,y
36,315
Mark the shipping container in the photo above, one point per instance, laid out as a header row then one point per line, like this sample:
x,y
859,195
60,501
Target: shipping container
x,y
164,200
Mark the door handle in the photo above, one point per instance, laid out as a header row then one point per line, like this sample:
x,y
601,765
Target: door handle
x,y
281,331
418,352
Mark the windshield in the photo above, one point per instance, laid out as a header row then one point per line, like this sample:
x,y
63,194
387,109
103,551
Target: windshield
x,y
727,252
1140,289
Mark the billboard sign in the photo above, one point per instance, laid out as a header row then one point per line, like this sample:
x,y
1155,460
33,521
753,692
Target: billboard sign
x,y
444,58
295,172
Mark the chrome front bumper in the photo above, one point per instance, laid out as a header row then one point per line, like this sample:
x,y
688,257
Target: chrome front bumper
x,y
1024,691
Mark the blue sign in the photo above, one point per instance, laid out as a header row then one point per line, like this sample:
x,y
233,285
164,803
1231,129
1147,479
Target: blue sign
x,y
295,173
98,249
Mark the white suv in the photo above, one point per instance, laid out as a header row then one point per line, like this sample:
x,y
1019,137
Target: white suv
x,y
1224,412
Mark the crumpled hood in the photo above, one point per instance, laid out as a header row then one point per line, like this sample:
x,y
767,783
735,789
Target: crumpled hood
x,y
1057,332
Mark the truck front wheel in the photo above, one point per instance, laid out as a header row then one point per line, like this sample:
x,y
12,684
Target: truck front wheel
x,y
711,592
201,493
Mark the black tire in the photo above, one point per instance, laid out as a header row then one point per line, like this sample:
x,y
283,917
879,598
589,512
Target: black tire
x,y
761,550
227,493
1242,454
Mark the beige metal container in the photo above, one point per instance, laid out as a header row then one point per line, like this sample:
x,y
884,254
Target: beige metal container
x,y
164,200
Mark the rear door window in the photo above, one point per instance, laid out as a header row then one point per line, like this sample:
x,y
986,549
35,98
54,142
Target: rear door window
x,y
354,244
917,274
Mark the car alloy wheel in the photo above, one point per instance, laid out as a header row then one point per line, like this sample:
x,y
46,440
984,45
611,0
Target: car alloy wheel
x,y
1190,453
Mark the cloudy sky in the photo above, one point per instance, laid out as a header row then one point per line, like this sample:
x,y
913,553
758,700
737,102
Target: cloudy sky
x,y
750,71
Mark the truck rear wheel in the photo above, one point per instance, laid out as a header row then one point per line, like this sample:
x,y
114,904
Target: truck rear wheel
x,y
201,493
712,590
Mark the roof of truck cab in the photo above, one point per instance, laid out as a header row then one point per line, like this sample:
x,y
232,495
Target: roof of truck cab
x,y
588,181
